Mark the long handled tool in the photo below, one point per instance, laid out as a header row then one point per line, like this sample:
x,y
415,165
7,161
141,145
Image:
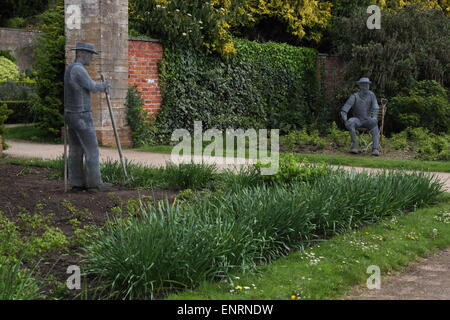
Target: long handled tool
x,y
119,147
66,160
384,103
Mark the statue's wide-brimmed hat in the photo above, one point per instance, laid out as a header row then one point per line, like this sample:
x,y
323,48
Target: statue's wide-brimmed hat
x,y
364,80
83,46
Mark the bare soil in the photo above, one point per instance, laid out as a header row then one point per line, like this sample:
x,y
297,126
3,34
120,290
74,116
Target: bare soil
x,y
31,190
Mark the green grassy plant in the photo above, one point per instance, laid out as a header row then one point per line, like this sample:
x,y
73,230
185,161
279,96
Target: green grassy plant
x,y
177,246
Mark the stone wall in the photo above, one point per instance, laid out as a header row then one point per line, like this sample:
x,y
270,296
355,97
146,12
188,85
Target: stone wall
x,y
104,23
143,59
21,43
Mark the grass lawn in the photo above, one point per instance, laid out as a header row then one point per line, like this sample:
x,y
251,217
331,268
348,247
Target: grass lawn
x,y
29,133
329,269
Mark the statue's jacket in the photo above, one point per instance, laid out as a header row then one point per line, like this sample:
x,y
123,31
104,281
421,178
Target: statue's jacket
x,y
362,108
77,88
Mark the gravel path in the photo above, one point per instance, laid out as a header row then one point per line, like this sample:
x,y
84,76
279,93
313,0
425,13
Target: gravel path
x,y
24,149
425,280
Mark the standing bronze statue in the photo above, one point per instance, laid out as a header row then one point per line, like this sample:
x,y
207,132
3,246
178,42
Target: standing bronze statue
x,y
82,138
365,115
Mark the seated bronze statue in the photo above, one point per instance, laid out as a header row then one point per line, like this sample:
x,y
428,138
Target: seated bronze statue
x,y
365,115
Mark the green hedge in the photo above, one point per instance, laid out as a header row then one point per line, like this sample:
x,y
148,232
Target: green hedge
x,y
265,86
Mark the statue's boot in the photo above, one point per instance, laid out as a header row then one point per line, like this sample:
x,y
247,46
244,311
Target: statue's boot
x,y
101,188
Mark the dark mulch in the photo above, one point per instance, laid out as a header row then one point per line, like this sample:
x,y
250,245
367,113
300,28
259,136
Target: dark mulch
x,y
32,190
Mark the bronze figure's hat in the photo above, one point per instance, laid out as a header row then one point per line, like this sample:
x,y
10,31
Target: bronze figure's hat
x,y
364,80
86,47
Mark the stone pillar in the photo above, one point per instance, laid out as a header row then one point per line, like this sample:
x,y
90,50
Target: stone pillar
x,y
104,23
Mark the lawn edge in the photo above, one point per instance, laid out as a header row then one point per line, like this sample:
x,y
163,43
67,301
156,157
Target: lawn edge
x,y
407,251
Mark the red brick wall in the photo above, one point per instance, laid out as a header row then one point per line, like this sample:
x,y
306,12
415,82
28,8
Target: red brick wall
x,y
143,58
333,69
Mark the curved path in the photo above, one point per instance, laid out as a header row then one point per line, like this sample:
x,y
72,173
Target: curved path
x,y
24,149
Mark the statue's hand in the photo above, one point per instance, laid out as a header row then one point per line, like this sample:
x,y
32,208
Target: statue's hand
x,y
107,87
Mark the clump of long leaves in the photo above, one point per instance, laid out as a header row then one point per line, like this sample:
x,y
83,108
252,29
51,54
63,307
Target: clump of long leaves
x,y
176,246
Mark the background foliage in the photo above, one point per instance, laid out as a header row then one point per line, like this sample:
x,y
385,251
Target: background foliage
x,y
49,69
426,104
20,9
4,113
138,119
211,24
412,45
8,70
196,23
264,86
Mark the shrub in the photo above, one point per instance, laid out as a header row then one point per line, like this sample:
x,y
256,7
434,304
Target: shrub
x,y
48,105
303,139
174,176
210,25
188,24
291,170
16,95
399,141
178,246
8,70
306,21
4,113
265,86
426,145
338,138
334,139
426,104
189,175
140,122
